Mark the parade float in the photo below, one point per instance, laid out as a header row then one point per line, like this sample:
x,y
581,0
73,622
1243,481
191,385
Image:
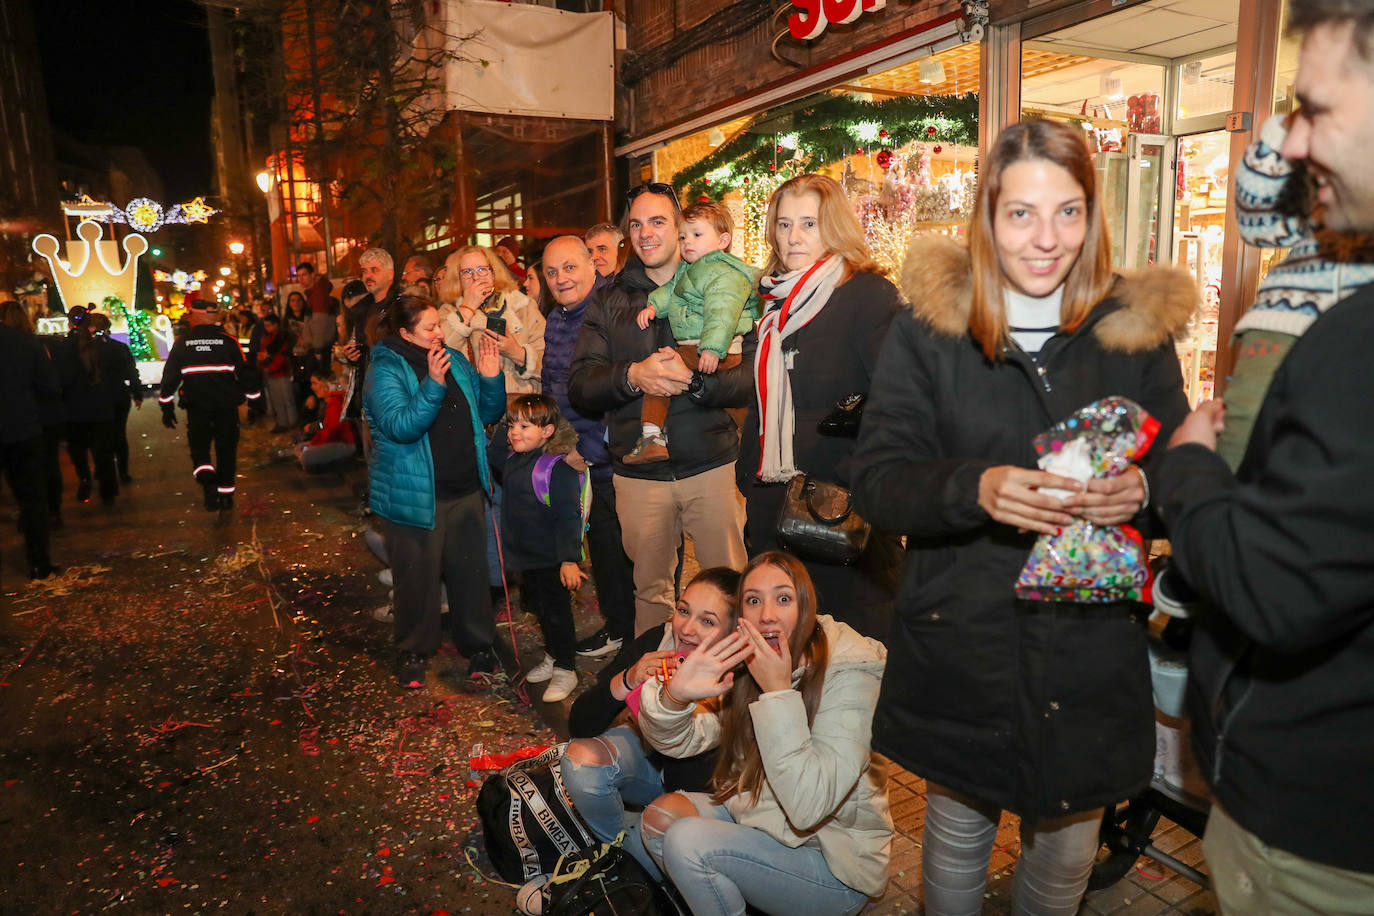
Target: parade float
x,y
90,270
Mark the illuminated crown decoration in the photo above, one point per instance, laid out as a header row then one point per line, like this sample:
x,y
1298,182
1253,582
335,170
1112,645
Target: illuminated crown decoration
x,y
86,275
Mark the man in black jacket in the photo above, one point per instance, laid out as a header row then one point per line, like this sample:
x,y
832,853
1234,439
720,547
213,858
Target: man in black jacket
x,y
365,316
208,366
27,376
1282,666
614,365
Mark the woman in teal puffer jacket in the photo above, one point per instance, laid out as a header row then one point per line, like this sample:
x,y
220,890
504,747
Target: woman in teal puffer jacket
x,y
426,406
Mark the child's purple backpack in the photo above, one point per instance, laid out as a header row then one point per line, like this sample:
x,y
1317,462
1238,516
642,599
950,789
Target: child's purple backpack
x,y
542,476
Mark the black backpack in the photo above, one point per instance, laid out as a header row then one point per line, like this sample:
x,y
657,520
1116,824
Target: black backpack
x,y
605,881
528,821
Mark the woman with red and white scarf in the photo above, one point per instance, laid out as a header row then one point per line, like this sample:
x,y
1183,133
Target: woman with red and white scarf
x,y
827,310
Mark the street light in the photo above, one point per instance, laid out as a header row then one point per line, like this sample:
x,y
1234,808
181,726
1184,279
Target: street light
x,y
264,182
236,249
225,271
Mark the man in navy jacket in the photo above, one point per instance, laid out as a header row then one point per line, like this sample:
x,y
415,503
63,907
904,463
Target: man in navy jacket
x,y
574,284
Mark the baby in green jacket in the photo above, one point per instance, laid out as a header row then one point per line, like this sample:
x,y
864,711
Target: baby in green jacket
x,y
710,306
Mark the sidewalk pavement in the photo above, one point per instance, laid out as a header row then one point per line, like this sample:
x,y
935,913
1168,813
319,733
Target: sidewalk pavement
x,y
200,715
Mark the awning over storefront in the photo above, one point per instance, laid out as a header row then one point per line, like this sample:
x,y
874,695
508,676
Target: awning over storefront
x,y
926,40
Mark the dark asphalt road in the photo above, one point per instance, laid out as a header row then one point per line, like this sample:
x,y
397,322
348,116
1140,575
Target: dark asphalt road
x,y
199,715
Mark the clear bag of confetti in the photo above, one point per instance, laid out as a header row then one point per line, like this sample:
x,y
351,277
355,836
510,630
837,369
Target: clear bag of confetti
x,y
1084,562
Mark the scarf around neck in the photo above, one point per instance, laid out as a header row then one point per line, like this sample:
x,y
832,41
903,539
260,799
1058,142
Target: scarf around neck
x,y
793,300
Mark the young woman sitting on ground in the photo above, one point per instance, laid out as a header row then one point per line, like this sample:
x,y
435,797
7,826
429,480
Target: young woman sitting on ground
x,y
799,821
606,770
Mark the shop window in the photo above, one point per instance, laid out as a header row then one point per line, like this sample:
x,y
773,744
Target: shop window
x,y
903,143
1110,100
1199,235
435,236
1205,85
497,214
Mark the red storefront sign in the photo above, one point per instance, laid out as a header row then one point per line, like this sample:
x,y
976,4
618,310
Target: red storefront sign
x,y
814,15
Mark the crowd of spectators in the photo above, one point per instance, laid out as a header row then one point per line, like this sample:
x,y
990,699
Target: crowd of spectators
x,y
734,743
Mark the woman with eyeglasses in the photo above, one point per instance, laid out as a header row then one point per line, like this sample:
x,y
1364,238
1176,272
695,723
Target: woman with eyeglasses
x,y
480,297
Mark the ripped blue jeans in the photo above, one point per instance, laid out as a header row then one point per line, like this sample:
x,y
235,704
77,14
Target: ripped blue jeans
x,y
721,867
600,793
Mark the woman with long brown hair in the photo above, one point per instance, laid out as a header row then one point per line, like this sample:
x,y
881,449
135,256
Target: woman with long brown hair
x,y
798,822
1037,707
827,308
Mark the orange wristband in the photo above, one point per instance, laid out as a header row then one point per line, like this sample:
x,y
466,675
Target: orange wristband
x,y
670,696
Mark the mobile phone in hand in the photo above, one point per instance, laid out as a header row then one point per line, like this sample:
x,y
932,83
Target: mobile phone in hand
x,y
497,325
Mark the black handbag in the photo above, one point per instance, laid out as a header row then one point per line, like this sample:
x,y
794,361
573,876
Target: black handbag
x,y
817,521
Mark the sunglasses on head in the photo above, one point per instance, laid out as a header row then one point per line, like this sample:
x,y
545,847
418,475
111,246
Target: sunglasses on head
x,y
654,187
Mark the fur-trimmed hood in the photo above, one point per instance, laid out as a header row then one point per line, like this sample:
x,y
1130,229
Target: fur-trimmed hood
x,y
937,283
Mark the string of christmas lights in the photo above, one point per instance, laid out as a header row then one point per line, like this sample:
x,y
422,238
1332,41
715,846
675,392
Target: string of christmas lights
x,y
828,131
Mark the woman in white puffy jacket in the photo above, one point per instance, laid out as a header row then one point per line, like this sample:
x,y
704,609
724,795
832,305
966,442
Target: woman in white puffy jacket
x,y
799,820
477,287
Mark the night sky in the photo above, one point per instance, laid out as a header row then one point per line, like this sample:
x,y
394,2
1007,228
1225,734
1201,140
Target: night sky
x,y
132,73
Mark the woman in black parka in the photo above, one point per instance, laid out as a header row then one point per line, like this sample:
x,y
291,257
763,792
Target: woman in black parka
x,y
1043,709
827,308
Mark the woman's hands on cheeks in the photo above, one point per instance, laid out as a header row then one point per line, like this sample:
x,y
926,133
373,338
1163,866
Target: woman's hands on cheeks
x,y
1010,495
771,670
707,672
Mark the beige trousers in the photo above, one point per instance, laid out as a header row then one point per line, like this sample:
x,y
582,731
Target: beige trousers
x,y
654,514
1252,878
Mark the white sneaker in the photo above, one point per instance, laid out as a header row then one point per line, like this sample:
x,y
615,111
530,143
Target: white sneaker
x,y
384,577
530,898
562,685
542,671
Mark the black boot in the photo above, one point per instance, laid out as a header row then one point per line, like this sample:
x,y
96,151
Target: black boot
x,y
83,490
226,502
211,498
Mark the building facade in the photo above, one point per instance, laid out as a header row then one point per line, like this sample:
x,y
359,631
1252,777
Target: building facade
x,y
898,101
29,198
